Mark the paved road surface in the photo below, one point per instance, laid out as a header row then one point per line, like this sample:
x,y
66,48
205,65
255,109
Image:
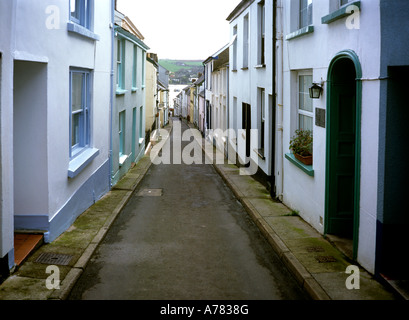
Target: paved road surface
x,y
192,241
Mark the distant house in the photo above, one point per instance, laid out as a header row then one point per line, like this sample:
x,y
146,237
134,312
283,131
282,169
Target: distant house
x,y
251,100
55,98
128,123
199,103
178,104
163,95
151,94
174,90
217,91
191,103
185,103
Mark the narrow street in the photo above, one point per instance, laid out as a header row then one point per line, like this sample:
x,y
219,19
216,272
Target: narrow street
x,y
184,236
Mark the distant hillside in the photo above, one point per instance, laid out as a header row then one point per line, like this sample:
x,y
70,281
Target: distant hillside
x,y
181,71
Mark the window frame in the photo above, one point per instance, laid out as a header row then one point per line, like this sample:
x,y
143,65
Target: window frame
x,y
246,41
347,2
120,64
134,68
261,57
302,112
143,72
84,8
261,92
122,132
141,118
235,30
309,15
84,127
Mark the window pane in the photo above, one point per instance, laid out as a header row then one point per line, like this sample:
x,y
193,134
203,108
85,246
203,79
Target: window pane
x,y
135,59
80,123
140,122
76,91
119,51
304,94
75,129
246,42
121,132
305,13
305,122
75,9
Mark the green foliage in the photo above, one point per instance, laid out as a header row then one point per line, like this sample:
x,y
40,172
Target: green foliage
x,y
294,213
177,65
301,143
181,71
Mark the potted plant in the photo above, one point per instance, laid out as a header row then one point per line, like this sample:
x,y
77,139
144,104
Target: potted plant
x,y
301,146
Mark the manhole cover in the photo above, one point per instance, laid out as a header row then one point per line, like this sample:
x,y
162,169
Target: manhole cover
x,y
325,259
315,249
54,258
150,193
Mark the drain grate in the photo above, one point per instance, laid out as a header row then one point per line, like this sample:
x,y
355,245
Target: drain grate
x,y
325,259
54,258
315,249
150,193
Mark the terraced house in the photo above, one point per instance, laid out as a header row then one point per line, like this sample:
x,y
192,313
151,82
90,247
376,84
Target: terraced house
x,y
251,104
355,54
128,126
336,69
55,98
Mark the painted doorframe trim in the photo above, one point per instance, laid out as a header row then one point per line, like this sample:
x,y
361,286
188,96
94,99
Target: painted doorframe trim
x,y
351,55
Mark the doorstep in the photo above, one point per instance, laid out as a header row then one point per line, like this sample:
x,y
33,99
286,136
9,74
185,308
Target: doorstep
x,y
24,245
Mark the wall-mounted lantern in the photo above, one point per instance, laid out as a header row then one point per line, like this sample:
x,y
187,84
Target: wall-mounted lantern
x,y
315,91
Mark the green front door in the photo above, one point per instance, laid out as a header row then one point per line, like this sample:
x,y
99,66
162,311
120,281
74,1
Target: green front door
x,y
342,135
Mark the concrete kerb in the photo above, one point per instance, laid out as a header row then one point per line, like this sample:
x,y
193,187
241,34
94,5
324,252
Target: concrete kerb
x,y
73,275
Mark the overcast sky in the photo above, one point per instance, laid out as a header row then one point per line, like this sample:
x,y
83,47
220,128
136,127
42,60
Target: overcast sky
x,y
181,29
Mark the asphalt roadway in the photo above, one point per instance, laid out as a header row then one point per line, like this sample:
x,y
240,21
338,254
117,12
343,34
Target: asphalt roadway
x,y
184,236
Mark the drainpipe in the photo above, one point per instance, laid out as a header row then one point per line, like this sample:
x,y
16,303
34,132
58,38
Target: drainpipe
x,y
228,109
112,90
279,70
274,148
205,108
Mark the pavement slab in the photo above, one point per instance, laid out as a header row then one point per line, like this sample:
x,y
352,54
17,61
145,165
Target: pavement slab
x,y
22,288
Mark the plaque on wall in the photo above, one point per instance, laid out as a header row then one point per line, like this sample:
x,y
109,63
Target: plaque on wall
x,y
320,117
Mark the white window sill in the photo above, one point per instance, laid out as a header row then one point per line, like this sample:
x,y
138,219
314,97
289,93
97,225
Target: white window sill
x,y
81,161
122,159
260,66
120,92
82,31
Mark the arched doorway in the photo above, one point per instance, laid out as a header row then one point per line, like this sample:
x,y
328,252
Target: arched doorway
x,y
343,147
